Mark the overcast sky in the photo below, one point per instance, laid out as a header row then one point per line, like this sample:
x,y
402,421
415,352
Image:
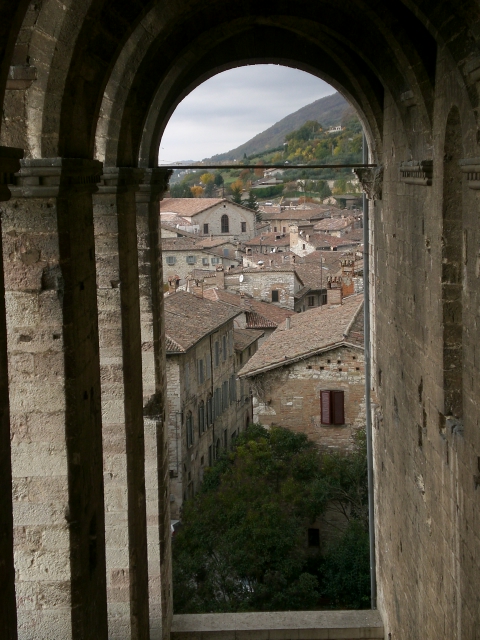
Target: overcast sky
x,y
232,107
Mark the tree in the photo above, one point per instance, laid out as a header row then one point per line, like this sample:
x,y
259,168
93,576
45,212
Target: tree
x,y
197,191
181,190
206,178
237,189
252,204
218,179
209,188
260,170
243,541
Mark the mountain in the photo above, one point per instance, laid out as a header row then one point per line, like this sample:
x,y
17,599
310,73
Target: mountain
x,y
328,111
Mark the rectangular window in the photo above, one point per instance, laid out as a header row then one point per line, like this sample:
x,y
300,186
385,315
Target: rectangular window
x,y
274,229
201,373
225,253
311,301
224,348
191,259
209,366
187,377
205,228
332,408
284,229
218,402
275,295
205,262
215,260
233,388
189,429
170,260
209,411
244,227
201,418
217,353
230,343
225,395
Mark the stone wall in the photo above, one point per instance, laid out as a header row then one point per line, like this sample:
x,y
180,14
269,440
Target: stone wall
x,y
427,464
290,396
236,216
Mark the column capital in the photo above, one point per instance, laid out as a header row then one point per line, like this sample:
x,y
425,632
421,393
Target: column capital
x,y
120,180
49,177
417,172
371,181
471,168
154,185
9,165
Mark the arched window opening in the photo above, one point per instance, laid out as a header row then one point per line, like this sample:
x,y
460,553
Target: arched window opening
x,y
225,223
452,270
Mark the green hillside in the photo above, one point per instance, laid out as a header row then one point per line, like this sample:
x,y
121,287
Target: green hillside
x,y
329,111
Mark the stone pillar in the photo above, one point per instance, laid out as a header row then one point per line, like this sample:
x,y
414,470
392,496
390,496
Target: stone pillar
x,y
9,164
56,431
154,393
122,404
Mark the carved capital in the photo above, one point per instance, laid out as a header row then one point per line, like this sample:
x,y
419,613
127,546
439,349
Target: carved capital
x,y
9,166
52,177
154,185
471,168
371,181
120,180
417,172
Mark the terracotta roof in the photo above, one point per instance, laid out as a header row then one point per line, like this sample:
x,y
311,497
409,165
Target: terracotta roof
x,y
326,240
319,329
180,244
243,338
192,206
296,214
259,315
333,224
174,219
315,276
188,206
189,318
274,238
177,230
278,257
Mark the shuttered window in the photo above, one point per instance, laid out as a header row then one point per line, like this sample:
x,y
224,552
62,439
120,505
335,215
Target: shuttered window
x,y
332,407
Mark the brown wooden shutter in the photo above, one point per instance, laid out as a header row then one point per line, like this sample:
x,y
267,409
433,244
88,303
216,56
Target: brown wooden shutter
x,y
325,407
338,407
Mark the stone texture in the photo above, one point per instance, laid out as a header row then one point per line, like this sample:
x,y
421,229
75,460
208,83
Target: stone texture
x,y
55,401
122,404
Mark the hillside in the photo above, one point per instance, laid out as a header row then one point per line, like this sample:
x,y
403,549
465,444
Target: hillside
x,y
328,111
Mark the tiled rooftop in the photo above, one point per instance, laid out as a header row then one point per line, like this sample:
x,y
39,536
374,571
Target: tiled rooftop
x,y
243,338
188,206
259,315
333,224
296,214
310,332
271,239
189,318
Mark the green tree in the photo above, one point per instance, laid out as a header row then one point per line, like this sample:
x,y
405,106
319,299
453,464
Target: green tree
x,y
218,179
243,541
252,204
236,192
181,190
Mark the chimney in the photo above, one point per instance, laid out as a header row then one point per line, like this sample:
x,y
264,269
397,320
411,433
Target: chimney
x,y
348,287
334,291
220,277
287,323
173,282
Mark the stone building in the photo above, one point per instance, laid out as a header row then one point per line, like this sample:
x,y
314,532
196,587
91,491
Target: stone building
x,y
87,89
309,376
206,411
302,243
182,255
254,314
213,216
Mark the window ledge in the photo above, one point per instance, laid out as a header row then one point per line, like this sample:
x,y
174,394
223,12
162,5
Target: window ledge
x,y
295,625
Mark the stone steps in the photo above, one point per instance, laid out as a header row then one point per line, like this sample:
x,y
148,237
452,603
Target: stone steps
x,y
284,625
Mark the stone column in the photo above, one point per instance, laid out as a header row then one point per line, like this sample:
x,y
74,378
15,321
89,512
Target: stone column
x,y
9,164
154,393
56,431
122,404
